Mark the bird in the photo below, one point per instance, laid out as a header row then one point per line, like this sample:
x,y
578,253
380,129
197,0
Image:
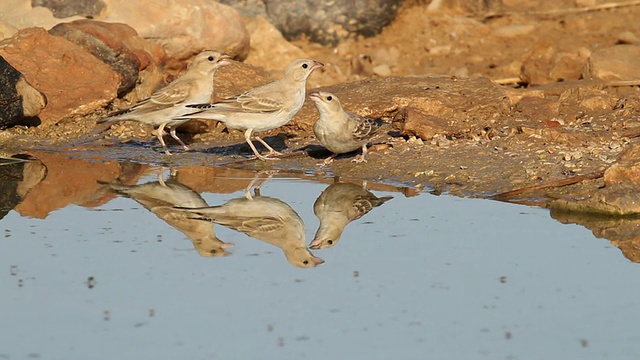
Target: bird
x,y
263,218
161,196
160,109
262,108
340,131
338,205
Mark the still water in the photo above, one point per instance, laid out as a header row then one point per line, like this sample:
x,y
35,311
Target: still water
x,y
96,262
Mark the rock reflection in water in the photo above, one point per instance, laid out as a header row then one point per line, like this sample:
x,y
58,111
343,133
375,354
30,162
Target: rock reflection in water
x,y
263,218
161,197
622,232
337,206
18,175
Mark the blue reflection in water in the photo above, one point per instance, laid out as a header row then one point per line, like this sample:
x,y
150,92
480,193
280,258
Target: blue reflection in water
x,y
416,278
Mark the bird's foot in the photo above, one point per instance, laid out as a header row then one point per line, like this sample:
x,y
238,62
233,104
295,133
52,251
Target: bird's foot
x,y
325,163
266,157
359,159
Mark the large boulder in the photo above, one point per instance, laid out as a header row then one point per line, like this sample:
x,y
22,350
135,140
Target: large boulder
x,y
323,21
73,81
19,99
182,27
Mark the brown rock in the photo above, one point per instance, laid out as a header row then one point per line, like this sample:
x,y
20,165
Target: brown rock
x,y
74,81
96,38
538,108
591,100
412,122
269,49
6,30
620,199
465,103
183,27
618,62
626,170
545,64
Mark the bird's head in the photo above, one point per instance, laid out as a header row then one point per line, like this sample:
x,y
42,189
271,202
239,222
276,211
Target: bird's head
x,y
303,258
209,61
299,70
325,102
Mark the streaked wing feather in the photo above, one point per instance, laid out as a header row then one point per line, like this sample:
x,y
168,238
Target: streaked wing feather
x,y
173,94
365,127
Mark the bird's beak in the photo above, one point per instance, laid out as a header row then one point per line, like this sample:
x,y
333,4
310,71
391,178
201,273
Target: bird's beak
x,y
224,60
315,97
315,244
317,260
316,65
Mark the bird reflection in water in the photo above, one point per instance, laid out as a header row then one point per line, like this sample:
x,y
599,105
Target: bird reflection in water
x,y
338,205
162,196
263,218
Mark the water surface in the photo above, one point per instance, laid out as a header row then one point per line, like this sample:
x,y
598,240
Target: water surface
x,y
90,273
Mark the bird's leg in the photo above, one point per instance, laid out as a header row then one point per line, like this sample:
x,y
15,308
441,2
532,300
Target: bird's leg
x,y
160,133
173,135
160,176
328,160
272,152
269,174
247,137
360,159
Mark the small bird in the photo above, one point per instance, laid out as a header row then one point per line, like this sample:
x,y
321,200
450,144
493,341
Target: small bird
x,y
338,205
262,108
159,110
264,218
340,131
160,197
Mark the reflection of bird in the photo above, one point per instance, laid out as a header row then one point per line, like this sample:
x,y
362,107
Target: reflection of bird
x,y
161,196
195,86
264,218
263,108
338,205
340,131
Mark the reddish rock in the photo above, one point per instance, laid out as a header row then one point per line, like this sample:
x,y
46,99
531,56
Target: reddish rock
x,y
97,38
74,81
412,122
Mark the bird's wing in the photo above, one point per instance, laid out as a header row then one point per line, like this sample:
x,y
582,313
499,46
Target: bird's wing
x,y
364,127
264,99
174,93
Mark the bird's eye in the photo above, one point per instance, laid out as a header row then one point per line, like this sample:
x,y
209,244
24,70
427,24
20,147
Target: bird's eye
x,y
211,58
329,98
330,242
306,262
304,66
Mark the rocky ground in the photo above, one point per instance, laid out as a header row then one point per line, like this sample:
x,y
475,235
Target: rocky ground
x,y
537,97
